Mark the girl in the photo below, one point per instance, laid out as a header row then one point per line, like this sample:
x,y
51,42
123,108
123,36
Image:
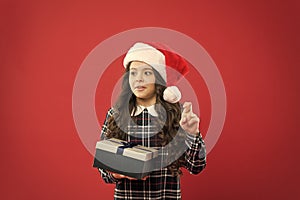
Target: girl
x,y
148,113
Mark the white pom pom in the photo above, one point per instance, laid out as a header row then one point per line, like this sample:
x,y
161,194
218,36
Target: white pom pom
x,y
172,94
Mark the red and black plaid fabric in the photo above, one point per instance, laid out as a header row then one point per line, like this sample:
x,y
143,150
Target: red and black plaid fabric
x,y
160,184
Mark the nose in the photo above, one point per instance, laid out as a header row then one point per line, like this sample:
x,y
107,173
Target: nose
x,y
139,77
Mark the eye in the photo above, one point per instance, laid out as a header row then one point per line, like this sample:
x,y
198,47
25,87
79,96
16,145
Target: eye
x,y
148,73
133,73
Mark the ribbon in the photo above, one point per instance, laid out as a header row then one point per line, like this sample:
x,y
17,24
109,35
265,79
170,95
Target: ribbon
x,y
120,149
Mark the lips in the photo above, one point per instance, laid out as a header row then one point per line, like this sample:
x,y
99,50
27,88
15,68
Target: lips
x,y
139,88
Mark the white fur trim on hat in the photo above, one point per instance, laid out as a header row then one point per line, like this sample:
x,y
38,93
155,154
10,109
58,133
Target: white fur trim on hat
x,y
147,54
172,94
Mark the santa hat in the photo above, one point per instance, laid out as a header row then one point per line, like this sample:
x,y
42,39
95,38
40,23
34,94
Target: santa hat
x,y
166,62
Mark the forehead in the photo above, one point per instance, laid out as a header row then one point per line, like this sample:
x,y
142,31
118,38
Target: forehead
x,y
139,65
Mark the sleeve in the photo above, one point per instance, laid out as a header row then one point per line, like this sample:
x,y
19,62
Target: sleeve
x,y
195,155
106,176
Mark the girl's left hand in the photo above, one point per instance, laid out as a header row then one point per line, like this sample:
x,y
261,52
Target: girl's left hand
x,y
189,120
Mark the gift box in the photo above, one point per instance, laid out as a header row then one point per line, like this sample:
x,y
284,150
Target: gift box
x,y
125,158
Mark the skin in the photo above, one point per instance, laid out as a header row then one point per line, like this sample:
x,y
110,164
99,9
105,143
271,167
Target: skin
x,y
142,84
189,120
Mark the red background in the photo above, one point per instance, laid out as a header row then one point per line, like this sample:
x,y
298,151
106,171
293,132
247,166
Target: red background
x,y
254,44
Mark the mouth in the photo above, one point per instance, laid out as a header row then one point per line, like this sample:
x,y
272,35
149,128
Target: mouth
x,y
139,88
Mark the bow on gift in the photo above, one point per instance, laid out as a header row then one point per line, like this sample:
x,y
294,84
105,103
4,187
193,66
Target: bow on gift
x,y
120,149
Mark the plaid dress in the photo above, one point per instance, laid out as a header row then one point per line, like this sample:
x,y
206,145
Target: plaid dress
x,y
160,184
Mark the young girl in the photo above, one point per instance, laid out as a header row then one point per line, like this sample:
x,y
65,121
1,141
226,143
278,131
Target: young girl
x,y
148,113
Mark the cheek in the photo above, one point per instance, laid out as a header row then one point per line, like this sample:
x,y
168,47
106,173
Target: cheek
x,y
130,80
151,83
152,87
131,86
150,80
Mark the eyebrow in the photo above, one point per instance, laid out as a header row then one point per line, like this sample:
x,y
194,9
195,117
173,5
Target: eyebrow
x,y
146,68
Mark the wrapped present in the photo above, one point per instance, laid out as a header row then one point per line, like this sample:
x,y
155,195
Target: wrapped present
x,y
125,158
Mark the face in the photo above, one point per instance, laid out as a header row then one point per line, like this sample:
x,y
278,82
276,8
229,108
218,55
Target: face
x,y
142,82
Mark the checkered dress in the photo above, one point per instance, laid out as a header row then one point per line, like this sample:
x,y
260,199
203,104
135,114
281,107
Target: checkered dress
x,y
160,184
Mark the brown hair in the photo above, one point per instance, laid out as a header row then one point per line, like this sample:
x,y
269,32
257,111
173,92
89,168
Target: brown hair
x,y
168,117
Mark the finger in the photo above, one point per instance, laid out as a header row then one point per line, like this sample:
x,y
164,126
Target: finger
x,y
193,121
145,178
117,176
196,118
183,121
191,116
187,107
130,178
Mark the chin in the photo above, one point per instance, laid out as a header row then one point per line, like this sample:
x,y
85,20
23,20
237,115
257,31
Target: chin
x,y
141,97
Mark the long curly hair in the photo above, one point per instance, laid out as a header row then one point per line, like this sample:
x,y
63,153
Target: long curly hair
x,y
169,115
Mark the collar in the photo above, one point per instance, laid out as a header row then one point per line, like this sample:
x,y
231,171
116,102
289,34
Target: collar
x,y
140,109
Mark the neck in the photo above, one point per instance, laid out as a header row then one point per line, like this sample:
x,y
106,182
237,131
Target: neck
x,y
145,102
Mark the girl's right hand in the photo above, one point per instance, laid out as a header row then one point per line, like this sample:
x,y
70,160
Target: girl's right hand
x,y
120,176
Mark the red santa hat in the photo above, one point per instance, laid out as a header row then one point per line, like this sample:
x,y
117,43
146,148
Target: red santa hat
x,y
166,62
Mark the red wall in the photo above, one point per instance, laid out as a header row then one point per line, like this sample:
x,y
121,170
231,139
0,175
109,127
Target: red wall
x,y
255,45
